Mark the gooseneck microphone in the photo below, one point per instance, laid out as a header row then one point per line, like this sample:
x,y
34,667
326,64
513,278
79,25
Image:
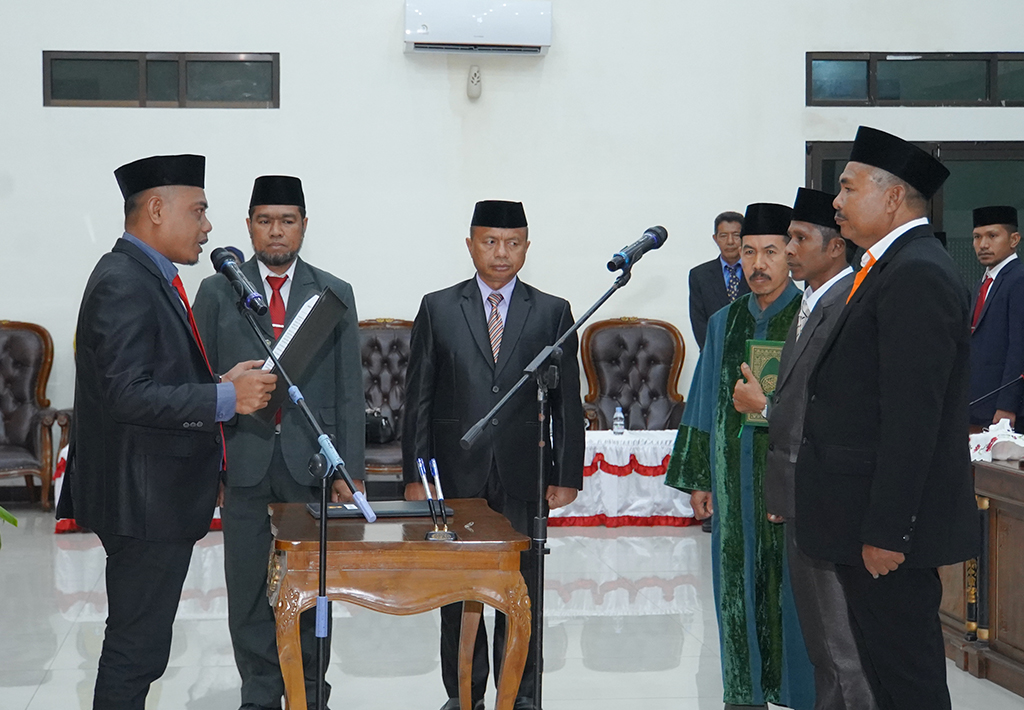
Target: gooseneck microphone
x,y
653,238
224,262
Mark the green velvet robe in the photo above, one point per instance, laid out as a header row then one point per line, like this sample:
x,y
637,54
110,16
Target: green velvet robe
x,y
763,654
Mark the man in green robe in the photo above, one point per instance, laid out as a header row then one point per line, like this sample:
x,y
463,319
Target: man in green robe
x,y
721,464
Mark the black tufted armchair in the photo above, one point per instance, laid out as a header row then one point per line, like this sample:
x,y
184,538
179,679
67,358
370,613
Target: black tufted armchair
x,y
633,363
26,418
384,348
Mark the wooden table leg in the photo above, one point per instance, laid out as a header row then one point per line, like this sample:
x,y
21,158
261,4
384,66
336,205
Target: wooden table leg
x,y
517,644
471,614
289,646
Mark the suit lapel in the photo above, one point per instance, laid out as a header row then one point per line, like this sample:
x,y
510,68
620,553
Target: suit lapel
x,y
126,247
992,290
303,287
473,310
794,346
518,311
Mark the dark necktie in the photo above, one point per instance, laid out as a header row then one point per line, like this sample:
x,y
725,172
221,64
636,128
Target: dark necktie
x,y
494,324
277,315
732,289
980,305
180,288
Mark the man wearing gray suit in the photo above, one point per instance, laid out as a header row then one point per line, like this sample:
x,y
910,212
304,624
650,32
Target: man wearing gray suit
x,y
819,256
268,462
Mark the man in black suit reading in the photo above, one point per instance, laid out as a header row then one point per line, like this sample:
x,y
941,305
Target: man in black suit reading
x,y
470,344
997,317
883,479
146,446
717,283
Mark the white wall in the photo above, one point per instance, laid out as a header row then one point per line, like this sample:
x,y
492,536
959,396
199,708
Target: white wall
x,y
644,112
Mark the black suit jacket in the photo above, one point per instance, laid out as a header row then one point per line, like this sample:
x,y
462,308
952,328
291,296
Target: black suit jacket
x,y
997,344
453,380
786,418
707,295
885,459
333,386
145,448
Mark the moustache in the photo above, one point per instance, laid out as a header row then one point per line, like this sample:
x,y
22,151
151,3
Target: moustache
x,y
760,275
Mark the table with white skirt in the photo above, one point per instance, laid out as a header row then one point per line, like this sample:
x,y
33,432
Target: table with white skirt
x,y
624,483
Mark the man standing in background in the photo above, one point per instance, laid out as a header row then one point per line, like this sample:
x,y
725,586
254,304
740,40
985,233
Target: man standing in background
x,y
470,344
997,320
721,463
146,447
717,283
269,461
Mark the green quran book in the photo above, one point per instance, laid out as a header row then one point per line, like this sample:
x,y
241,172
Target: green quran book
x,y
763,357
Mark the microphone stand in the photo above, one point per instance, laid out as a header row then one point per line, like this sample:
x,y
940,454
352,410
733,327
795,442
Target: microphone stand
x,y
544,371
323,465
983,397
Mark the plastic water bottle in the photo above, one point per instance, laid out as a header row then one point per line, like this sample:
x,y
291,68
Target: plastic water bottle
x,y
618,421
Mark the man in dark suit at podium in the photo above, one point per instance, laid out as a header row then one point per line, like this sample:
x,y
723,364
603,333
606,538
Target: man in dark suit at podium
x,y
997,317
883,479
470,344
717,283
146,445
269,461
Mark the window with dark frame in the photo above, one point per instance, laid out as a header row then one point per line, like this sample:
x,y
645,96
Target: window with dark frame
x,y
162,79
914,79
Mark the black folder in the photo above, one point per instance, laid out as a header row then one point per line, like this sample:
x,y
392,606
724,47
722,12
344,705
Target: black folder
x,y
305,344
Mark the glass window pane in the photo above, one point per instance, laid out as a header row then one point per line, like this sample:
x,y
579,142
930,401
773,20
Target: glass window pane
x,y
229,81
162,81
1011,80
934,80
833,80
94,79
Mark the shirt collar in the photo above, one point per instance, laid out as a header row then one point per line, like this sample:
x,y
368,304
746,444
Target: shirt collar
x,y
505,291
811,297
165,265
265,270
882,245
727,268
993,271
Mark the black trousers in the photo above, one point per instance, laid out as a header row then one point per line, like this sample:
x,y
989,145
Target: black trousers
x,y
144,581
895,622
247,545
521,514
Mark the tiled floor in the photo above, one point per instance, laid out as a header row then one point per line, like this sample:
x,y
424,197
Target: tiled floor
x,y
630,625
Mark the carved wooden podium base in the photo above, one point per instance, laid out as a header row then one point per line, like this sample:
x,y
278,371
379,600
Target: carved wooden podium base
x,y
387,566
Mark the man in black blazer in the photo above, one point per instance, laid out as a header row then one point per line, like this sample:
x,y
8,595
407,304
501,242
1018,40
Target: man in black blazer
x,y
269,461
146,445
470,344
717,283
883,480
818,256
997,317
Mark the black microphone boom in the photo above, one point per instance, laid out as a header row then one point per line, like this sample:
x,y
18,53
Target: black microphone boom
x,y
653,238
224,262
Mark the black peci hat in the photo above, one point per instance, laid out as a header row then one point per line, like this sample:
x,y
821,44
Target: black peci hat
x,y
277,190
499,214
815,206
996,214
160,170
766,218
904,160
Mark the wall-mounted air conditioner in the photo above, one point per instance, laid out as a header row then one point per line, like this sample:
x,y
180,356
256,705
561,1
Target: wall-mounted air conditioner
x,y
478,26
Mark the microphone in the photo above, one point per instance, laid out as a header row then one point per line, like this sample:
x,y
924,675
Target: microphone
x,y
652,239
224,262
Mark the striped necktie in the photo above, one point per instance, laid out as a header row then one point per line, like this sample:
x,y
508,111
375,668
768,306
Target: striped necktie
x,y
494,324
801,318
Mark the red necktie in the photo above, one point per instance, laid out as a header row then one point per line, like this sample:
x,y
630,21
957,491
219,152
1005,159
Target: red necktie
x,y
277,315
982,294
180,288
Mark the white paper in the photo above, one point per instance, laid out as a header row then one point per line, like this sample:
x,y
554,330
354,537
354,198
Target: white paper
x,y
293,328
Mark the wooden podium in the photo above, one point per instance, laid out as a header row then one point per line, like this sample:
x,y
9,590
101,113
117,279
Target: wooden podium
x,y
388,566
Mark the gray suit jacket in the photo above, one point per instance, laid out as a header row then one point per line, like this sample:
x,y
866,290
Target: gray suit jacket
x,y
789,402
333,387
